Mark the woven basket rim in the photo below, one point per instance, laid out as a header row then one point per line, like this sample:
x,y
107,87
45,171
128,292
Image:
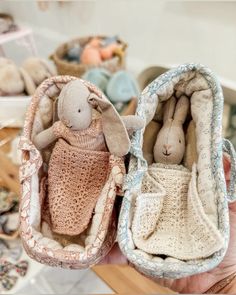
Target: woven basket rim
x,y
63,48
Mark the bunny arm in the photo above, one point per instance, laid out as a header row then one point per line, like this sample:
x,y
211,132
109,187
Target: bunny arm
x,y
44,138
133,123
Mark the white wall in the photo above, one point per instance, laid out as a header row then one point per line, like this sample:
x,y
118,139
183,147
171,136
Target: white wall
x,y
158,32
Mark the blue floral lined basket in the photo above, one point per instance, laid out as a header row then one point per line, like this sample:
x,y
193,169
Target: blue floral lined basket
x,y
169,267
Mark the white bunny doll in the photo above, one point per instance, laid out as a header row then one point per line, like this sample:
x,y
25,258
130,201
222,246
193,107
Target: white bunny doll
x,y
169,218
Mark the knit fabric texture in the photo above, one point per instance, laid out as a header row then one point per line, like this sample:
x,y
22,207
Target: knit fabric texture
x,y
75,180
91,138
169,218
78,170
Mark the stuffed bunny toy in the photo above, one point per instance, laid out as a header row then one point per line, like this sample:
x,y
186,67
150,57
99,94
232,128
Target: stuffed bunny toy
x,y
169,218
14,80
170,143
38,69
80,117
84,145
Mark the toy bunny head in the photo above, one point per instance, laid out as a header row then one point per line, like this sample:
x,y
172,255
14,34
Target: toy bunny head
x,y
75,104
170,143
38,69
74,109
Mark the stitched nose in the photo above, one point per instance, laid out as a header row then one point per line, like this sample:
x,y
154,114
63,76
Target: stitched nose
x,y
167,147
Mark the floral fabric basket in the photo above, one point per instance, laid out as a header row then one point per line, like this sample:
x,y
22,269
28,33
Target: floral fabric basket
x,y
40,243
205,94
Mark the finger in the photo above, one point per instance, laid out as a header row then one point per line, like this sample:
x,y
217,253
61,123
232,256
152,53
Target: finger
x,y
227,168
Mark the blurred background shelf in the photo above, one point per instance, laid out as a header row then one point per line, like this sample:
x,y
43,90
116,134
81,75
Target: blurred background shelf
x,y
22,36
12,110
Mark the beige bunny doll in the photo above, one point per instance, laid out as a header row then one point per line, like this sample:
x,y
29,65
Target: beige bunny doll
x,y
170,143
38,69
169,218
14,80
80,159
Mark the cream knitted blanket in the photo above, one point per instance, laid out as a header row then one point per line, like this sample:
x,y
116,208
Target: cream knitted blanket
x,y
169,218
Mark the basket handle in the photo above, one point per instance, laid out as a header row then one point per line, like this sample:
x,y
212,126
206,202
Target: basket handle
x,y
229,149
31,159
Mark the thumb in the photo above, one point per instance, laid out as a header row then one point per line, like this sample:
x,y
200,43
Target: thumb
x,y
227,168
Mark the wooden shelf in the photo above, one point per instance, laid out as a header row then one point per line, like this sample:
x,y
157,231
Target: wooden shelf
x,y
124,279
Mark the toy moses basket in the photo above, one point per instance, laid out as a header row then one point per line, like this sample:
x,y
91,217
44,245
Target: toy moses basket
x,y
174,219
95,238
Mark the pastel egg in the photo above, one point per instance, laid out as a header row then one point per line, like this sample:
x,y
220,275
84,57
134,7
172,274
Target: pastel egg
x,y
122,87
90,56
98,76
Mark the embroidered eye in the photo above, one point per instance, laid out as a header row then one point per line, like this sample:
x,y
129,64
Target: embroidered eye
x,y
179,140
79,110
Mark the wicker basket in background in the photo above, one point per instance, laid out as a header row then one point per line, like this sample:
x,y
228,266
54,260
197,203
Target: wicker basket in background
x,y
65,67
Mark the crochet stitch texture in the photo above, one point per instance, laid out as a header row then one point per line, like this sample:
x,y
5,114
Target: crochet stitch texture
x,y
78,171
170,220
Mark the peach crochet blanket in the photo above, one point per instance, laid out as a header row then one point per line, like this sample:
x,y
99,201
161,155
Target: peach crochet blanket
x,y
77,173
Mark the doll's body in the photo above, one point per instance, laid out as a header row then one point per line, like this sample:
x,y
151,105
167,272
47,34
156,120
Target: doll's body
x,y
79,165
76,178
91,138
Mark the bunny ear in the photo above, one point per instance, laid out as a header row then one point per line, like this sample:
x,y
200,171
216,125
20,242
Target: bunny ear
x,y
115,133
181,109
29,83
169,109
55,110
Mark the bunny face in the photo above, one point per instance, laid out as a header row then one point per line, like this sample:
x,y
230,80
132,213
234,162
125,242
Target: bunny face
x,y
74,109
170,143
